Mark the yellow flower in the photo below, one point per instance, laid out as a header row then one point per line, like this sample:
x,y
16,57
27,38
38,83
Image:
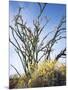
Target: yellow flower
x,y
29,81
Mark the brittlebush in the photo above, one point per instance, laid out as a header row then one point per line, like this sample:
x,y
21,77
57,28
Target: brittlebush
x,y
49,73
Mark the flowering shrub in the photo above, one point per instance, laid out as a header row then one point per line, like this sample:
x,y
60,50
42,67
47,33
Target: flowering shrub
x,y
48,73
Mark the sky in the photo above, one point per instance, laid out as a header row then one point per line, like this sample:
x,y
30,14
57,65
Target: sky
x,y
29,13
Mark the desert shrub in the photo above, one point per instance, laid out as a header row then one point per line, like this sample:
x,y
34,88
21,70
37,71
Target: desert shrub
x,y
13,82
49,74
22,82
18,82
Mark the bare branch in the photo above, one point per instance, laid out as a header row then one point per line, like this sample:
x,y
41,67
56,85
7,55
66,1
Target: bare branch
x,y
41,9
62,53
13,44
43,27
22,61
16,70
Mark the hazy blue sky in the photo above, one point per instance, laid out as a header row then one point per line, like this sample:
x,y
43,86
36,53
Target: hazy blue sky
x,y
31,10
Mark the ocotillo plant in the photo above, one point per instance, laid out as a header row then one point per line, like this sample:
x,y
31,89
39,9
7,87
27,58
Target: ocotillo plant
x,y
28,44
